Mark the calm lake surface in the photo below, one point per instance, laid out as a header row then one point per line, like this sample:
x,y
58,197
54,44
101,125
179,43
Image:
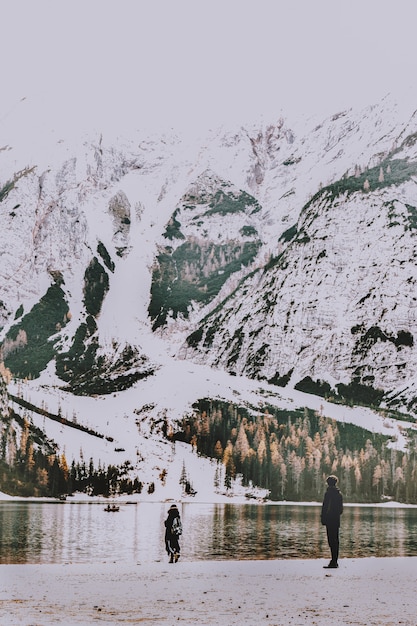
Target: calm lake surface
x,y
84,533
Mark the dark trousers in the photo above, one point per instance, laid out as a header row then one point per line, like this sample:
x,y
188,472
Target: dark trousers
x,y
171,544
333,539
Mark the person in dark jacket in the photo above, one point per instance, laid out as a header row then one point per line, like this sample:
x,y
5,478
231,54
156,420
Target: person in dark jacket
x,y
331,511
173,530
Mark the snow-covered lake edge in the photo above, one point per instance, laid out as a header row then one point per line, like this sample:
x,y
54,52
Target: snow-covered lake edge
x,y
80,498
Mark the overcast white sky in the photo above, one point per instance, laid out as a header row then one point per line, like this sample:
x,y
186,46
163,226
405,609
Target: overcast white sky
x,y
199,62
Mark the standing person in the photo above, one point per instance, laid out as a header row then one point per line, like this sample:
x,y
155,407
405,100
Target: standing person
x,y
173,530
331,511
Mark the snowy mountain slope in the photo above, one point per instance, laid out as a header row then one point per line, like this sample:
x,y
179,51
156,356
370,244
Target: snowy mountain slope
x,y
338,304
212,234
284,251
130,422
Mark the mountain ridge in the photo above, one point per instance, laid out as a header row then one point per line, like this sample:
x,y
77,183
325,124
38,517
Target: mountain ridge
x,y
276,253
263,150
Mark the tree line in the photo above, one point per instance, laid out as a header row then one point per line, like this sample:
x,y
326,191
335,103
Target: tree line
x,y
31,466
290,453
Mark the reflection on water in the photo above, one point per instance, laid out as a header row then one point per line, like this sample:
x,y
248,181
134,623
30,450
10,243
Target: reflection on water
x,y
79,533
84,533
254,532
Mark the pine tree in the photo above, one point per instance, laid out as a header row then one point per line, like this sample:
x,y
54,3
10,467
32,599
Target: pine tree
x,y
381,175
64,466
4,399
227,480
377,479
296,466
228,462
218,451
261,458
11,446
183,476
241,447
24,435
42,478
398,482
30,461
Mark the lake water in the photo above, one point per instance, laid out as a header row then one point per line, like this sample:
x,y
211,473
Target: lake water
x,y
84,533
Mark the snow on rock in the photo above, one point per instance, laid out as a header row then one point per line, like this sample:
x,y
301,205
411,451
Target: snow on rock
x,y
330,293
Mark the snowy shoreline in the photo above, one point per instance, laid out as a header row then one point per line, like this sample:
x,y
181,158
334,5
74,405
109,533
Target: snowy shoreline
x,y
81,498
377,591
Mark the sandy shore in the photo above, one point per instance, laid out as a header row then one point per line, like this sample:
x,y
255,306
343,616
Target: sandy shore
x,y
362,591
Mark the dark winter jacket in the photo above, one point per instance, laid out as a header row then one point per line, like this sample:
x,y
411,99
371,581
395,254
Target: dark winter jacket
x,y
332,507
172,513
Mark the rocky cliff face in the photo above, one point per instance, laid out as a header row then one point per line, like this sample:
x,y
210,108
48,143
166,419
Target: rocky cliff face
x,y
276,252
210,236
339,302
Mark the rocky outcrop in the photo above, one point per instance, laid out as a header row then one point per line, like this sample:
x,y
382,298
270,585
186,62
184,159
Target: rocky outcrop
x,y
339,303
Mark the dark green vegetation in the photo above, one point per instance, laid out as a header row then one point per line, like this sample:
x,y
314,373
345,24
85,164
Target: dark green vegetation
x,y
77,362
36,474
227,202
195,271
357,393
173,228
30,344
80,366
6,188
195,267
317,388
360,391
291,452
55,417
390,172
232,343
31,466
351,394
289,234
28,462
407,220
248,231
102,251
96,285
102,481
87,372
19,312
369,337
412,216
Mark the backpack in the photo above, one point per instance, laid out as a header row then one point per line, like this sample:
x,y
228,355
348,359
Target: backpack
x,y
176,527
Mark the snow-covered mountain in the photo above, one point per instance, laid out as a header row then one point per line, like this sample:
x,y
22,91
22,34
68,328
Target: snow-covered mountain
x,y
142,273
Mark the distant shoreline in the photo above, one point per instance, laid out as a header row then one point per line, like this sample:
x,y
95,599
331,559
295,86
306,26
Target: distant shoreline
x,y
124,500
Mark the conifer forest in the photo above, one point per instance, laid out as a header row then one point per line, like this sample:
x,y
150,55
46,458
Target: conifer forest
x,y
290,453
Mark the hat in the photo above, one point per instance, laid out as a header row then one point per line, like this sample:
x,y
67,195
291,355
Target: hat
x,y
331,481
